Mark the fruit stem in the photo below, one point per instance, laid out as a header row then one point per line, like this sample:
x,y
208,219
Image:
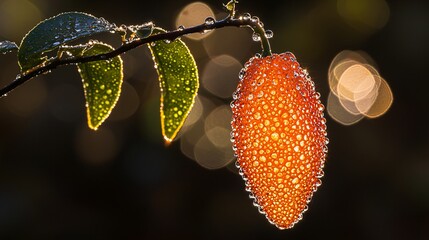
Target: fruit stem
x,y
265,44
230,21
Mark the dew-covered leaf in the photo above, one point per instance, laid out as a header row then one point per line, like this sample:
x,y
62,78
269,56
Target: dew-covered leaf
x,y
55,31
7,46
178,76
102,82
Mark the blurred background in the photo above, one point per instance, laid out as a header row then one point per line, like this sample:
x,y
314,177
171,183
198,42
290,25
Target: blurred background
x,y
60,180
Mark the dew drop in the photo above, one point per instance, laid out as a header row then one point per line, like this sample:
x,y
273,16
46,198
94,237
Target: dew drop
x,y
275,136
255,19
209,21
320,174
317,95
285,115
235,95
232,104
267,122
269,34
241,74
318,183
296,148
295,180
256,37
325,149
246,16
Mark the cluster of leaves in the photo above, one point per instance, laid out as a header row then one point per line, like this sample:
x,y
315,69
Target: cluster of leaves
x,y
52,41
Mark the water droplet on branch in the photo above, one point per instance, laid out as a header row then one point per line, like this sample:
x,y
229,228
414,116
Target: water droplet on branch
x,y
269,34
246,16
209,21
256,37
255,19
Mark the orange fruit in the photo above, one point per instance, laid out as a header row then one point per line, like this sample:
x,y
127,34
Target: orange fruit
x,y
279,136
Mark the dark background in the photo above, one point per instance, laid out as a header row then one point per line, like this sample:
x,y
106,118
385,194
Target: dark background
x,y
60,180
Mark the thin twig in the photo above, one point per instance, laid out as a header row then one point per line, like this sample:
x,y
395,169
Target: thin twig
x,y
254,23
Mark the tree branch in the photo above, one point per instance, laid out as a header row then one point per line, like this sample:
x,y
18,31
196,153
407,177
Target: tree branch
x,y
241,21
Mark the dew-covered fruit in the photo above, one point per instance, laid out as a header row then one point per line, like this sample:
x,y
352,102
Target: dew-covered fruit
x,y
279,136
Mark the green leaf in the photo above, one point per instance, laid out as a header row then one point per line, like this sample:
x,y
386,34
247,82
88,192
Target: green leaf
x,y
53,32
102,82
178,76
7,46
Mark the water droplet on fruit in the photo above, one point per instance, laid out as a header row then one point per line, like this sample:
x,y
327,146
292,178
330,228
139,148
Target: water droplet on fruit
x,y
232,104
275,136
320,174
317,95
241,74
235,95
